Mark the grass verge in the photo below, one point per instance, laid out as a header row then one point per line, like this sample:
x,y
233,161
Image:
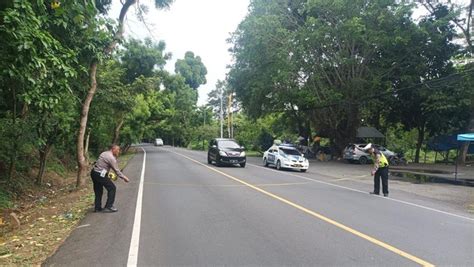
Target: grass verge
x,y
46,221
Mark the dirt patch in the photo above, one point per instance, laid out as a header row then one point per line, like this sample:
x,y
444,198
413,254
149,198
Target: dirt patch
x,y
47,214
44,227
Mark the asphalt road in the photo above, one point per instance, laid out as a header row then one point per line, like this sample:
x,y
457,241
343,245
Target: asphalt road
x,y
197,214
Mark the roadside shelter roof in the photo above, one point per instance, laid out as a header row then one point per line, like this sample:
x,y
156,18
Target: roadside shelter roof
x,y
444,143
369,132
466,137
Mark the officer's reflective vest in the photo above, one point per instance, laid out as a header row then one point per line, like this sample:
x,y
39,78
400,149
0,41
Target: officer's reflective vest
x,y
383,162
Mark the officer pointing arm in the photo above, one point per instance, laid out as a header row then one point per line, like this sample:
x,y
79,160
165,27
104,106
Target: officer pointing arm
x,y
107,161
380,170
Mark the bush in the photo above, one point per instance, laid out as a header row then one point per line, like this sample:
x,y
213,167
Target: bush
x,y
265,140
5,200
198,145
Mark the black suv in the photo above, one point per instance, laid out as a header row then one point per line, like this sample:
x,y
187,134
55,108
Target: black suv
x,y
226,152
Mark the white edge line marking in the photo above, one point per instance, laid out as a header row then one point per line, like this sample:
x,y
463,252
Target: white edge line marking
x,y
135,240
84,225
359,191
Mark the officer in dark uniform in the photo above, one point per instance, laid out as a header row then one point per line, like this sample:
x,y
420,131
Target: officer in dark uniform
x,y
100,177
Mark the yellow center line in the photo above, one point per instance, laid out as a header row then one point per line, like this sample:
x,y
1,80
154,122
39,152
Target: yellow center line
x,y
319,216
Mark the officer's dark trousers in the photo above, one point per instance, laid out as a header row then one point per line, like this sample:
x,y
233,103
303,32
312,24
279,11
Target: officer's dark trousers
x,y
99,184
381,173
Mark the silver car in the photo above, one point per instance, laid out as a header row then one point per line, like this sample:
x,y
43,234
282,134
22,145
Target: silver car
x,y
355,153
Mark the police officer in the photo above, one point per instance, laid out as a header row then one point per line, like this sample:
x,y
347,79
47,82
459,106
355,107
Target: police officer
x,y
380,170
100,178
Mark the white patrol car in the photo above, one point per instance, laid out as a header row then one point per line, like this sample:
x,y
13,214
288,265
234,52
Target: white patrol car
x,y
285,157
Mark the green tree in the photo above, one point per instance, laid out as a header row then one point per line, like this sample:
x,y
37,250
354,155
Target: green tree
x,y
422,104
313,59
111,104
463,21
192,69
51,126
94,60
117,82
176,125
336,62
468,85
36,69
142,58
147,112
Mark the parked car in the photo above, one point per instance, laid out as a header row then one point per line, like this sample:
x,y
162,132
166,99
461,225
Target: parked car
x,y
226,152
285,157
158,142
355,153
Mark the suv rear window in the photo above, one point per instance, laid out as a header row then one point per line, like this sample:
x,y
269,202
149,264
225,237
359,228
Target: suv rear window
x,y
350,147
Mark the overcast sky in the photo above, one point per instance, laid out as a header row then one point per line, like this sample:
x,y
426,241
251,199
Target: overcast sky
x,y
200,26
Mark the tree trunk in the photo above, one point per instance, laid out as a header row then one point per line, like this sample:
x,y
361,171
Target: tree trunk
x,y
86,146
470,129
81,159
341,141
463,153
469,27
465,30
347,130
44,152
11,168
304,129
421,137
117,129
119,34
352,122
126,148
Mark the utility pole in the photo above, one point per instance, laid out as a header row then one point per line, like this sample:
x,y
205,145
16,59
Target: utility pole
x,y
204,124
222,115
204,109
229,116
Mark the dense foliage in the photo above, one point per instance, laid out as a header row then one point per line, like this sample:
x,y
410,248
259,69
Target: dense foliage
x,y
333,66
60,66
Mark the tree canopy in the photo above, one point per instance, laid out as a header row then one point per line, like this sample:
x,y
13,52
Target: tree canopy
x,y
333,65
192,69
